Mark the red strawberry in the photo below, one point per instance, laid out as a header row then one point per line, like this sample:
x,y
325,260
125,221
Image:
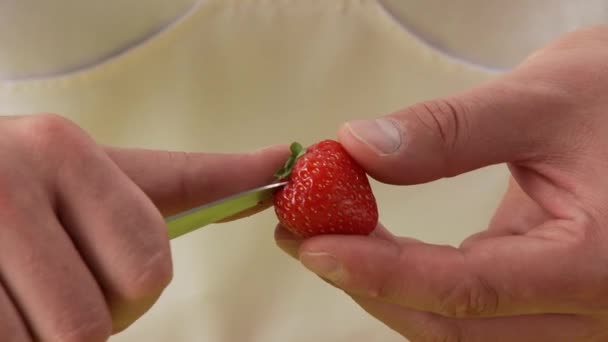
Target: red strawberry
x,y
327,193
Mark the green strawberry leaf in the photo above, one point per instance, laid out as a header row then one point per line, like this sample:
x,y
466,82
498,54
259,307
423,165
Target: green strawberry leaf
x,y
297,151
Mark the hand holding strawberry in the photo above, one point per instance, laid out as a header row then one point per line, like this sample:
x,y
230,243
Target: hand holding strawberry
x,y
538,273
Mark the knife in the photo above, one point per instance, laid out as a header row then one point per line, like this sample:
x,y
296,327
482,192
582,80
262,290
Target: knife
x,y
193,219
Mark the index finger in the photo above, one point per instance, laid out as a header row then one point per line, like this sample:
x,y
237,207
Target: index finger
x,y
177,181
502,276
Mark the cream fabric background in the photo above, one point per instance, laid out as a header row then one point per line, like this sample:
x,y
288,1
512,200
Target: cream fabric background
x,y
236,75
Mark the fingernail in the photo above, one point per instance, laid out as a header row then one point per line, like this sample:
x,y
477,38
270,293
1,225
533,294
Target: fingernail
x,y
281,233
324,265
383,134
270,148
290,247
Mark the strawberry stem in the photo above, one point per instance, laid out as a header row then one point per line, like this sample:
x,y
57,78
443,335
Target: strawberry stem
x,y
296,152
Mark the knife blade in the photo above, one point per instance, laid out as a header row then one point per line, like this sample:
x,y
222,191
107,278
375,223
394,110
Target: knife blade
x,y
195,218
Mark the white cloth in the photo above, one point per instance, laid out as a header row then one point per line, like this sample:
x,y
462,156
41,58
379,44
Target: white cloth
x,y
234,75
494,33
41,38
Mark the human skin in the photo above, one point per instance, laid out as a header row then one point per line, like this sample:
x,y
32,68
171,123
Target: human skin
x,y
540,270
84,249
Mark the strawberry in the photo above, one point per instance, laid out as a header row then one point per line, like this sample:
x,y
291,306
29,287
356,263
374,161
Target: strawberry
x,y
327,193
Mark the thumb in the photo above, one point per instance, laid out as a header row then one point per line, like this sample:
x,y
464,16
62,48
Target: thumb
x,y
506,120
177,181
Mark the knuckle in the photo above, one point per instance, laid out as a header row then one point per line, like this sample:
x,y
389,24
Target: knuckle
x,y
146,267
150,278
141,280
446,119
47,128
470,299
90,326
389,285
53,136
